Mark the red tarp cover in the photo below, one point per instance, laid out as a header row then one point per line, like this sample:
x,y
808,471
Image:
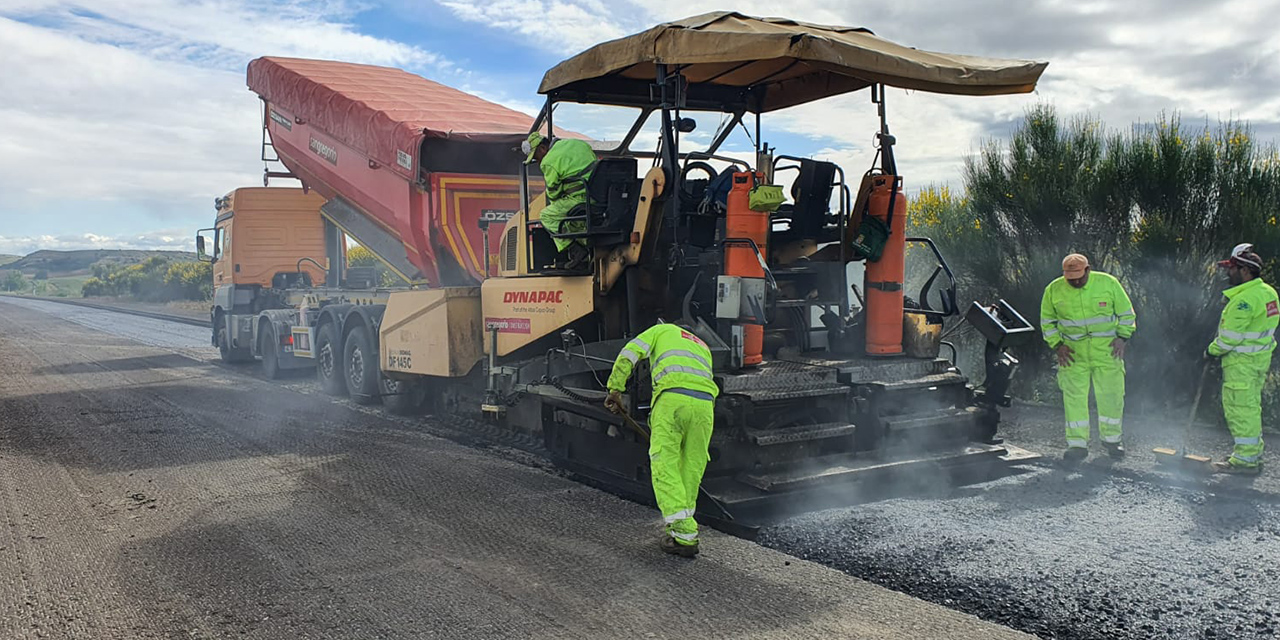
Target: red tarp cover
x,y
379,110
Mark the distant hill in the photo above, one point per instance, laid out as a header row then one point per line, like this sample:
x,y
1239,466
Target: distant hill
x,y
6,259
76,263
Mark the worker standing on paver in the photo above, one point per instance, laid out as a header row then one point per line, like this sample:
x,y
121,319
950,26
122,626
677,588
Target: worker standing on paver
x,y
566,165
1245,340
680,423
1086,318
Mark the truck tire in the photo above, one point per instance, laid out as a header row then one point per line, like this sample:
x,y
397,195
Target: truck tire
x,y
269,347
360,363
230,356
403,397
329,367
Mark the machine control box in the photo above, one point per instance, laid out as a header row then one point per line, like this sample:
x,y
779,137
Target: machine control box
x,y
739,298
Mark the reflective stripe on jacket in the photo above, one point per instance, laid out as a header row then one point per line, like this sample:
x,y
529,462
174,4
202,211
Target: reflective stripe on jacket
x,y
1249,319
677,360
1099,309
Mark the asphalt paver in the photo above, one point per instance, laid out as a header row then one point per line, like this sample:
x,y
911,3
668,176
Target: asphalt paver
x,y
147,493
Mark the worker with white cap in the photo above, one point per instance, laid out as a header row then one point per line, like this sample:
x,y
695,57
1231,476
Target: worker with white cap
x,y
1086,318
1245,341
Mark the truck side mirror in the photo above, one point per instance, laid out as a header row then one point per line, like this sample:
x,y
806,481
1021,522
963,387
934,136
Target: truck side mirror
x,y
202,247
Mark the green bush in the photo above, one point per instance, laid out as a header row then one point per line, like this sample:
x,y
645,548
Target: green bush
x,y
14,281
189,280
1155,207
94,288
359,256
155,279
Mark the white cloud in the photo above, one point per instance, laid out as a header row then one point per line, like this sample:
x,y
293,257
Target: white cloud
x,y
227,33
570,26
559,25
934,133
1121,61
114,124
167,239
140,105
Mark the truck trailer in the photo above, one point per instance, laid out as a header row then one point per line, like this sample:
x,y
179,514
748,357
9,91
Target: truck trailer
x,y
818,396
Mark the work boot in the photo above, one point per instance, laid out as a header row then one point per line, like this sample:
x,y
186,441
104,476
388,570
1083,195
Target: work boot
x,y
669,545
1114,449
1226,466
578,255
1074,454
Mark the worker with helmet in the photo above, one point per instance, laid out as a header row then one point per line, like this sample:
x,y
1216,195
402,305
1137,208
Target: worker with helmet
x,y
680,423
1086,318
1245,340
566,164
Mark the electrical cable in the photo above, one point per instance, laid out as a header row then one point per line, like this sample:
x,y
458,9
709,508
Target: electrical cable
x,y
594,374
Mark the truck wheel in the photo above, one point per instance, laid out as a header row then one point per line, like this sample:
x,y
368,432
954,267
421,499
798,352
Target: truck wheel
x,y
269,347
229,355
403,397
329,362
360,361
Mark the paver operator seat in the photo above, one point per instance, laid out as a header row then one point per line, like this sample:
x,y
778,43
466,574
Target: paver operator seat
x,y
613,193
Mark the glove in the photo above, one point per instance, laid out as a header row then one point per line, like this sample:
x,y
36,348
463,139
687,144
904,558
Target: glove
x,y
613,401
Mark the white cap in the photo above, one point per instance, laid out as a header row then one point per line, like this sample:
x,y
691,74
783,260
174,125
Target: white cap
x,y
1242,254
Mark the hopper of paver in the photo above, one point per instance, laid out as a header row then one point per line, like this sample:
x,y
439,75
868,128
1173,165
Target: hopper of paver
x,y
412,169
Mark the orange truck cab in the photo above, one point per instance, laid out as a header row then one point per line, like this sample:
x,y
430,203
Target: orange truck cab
x,y
261,234
265,241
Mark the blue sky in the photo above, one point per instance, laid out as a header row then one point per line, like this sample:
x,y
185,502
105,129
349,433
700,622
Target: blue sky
x,y
123,119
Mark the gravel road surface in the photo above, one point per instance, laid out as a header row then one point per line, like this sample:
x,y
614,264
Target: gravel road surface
x,y
148,493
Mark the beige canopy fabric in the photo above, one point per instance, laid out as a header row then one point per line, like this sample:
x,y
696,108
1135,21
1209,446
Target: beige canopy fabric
x,y
765,64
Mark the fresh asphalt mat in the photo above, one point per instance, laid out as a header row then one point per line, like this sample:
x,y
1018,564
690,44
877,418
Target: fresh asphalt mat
x,y
1066,553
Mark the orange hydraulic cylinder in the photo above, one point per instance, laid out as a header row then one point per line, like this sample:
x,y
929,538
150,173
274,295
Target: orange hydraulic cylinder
x,y
740,260
884,276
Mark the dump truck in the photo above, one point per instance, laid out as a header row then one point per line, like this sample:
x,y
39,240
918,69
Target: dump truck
x,y
825,386
282,289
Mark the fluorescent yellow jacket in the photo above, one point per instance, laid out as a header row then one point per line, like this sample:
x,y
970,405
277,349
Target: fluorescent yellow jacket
x,y
677,360
565,168
1249,319
1099,309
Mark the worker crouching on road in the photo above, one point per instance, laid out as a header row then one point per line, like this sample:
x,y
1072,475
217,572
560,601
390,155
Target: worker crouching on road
x,y
1086,317
680,423
1245,340
566,165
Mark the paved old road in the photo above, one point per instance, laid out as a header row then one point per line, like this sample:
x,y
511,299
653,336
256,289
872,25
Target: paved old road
x,y
145,492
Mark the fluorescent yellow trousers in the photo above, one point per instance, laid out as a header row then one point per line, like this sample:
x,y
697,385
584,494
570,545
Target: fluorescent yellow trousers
x,y
1094,366
1242,378
680,432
